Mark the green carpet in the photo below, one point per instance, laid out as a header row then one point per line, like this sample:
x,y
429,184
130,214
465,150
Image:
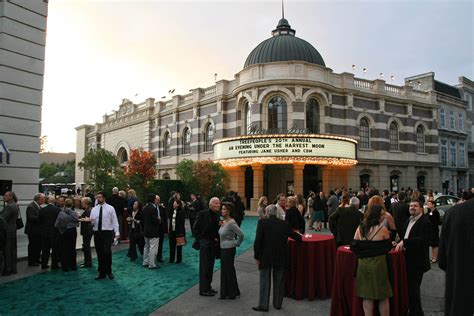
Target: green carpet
x,y
134,291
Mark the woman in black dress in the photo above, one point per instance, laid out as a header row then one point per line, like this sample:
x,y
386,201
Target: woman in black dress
x,y
435,222
176,229
294,217
136,231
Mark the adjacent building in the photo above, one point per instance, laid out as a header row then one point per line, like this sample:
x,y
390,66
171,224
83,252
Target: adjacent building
x,y
466,87
287,123
22,55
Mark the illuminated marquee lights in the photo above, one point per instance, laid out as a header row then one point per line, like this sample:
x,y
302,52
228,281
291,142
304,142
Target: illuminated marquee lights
x,y
335,151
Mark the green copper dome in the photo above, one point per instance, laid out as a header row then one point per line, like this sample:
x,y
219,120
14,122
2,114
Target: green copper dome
x,y
284,46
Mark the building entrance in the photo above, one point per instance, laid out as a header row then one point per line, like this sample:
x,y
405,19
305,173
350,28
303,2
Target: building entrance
x,y
311,179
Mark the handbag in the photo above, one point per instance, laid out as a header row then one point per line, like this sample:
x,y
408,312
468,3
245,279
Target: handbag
x,y
19,221
196,245
180,240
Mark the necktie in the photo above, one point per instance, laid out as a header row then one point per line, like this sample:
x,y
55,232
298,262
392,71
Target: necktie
x,y
100,219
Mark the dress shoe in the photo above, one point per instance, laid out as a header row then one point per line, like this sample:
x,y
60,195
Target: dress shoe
x,y
260,309
277,307
110,275
44,267
209,293
34,264
100,276
213,291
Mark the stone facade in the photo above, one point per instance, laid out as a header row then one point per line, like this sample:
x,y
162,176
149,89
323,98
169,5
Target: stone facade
x,y
397,127
467,89
22,55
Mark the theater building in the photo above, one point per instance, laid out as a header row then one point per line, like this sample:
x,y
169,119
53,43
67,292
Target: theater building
x,y
285,123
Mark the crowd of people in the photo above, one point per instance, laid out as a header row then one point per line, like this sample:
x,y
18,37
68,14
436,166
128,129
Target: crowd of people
x,y
372,223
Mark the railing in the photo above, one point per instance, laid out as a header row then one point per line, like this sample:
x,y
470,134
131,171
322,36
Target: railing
x,y
210,91
393,89
188,98
363,84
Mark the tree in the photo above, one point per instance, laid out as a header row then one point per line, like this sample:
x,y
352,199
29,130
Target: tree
x,y
101,166
204,176
47,170
141,170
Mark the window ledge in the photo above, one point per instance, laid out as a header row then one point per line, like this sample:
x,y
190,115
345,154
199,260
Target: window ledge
x,y
365,149
422,153
396,151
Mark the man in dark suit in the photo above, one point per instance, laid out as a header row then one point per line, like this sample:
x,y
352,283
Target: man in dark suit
x,y
344,222
49,234
271,253
416,243
194,208
119,204
401,213
163,212
206,230
33,229
151,230
456,257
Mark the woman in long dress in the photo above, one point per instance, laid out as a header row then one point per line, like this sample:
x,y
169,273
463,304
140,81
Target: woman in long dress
x,y
372,276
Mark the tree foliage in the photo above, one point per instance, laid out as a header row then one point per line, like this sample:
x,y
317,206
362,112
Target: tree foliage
x,y
101,165
141,170
204,176
57,173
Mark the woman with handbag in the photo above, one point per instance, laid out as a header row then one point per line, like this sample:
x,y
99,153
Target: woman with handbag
x,y
230,237
136,231
12,216
176,231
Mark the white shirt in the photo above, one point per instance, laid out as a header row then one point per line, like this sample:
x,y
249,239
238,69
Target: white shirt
x,y
109,218
412,222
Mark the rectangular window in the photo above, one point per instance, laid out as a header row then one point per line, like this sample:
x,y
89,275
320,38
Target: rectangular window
x,y
452,148
462,153
460,122
451,120
444,153
442,118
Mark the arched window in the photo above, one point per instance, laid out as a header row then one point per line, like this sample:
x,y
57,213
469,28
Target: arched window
x,y
394,136
166,144
364,180
248,117
208,137
122,155
420,139
312,116
364,133
277,113
186,141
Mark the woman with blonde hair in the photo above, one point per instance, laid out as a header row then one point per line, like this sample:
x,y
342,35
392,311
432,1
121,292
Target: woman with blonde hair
x,y
262,204
294,217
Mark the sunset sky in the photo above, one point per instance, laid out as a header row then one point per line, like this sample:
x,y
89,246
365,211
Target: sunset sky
x,y
100,52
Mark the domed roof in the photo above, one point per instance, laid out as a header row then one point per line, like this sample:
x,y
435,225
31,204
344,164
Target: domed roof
x,y
284,46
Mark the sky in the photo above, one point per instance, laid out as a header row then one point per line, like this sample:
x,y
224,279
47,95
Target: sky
x,y
99,52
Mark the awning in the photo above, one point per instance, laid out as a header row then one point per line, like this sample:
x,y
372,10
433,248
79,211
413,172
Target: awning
x,y
4,153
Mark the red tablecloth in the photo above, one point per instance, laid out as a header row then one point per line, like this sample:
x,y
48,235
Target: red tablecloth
x,y
345,302
311,267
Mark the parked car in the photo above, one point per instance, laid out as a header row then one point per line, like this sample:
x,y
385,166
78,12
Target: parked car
x,y
443,203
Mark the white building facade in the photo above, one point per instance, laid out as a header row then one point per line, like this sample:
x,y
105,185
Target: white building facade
x,y
22,55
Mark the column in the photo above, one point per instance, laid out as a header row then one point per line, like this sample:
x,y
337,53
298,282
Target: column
x,y
298,178
257,186
237,180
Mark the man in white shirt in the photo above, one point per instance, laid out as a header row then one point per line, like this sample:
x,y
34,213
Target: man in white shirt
x,y
105,225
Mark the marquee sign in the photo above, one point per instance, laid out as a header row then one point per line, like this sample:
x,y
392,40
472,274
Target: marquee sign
x,y
286,149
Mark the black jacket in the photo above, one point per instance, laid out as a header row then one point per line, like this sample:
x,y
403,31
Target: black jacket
x,y
194,208
206,225
400,213
343,224
271,242
295,219
86,227
32,226
151,223
179,221
47,219
417,245
118,202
